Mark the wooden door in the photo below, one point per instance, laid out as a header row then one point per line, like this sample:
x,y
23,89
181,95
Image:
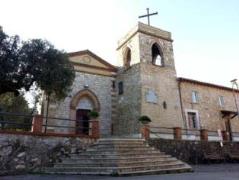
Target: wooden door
x,y
82,121
228,128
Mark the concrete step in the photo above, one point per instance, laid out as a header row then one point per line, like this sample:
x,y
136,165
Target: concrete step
x,y
121,144
118,156
119,159
119,170
119,147
124,149
120,141
158,171
115,173
113,163
150,167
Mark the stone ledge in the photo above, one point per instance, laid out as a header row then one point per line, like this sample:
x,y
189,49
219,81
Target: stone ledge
x,y
44,134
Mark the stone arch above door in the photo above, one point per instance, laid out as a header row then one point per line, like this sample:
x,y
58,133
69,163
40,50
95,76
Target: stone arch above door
x,y
85,103
84,96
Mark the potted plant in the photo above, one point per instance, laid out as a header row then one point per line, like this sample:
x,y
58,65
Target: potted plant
x,y
93,114
145,129
144,119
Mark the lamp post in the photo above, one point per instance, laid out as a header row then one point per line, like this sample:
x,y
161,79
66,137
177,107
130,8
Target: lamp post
x,y
235,84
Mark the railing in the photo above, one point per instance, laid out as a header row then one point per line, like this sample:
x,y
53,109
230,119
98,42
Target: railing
x,y
179,133
38,124
15,121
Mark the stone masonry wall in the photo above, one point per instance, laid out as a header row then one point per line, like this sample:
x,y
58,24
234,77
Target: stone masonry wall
x,y
133,45
208,105
193,151
144,77
129,103
100,86
166,110
25,153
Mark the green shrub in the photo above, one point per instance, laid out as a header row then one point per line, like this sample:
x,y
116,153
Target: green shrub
x,y
94,114
144,119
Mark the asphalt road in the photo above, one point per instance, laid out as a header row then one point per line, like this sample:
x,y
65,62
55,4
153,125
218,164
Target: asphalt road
x,y
201,172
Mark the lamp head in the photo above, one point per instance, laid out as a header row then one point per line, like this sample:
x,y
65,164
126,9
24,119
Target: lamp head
x,y
234,81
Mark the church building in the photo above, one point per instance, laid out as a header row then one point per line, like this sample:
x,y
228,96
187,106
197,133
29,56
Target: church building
x,y
145,83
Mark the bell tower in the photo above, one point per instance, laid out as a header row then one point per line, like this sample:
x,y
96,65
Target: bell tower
x,y
149,77
146,44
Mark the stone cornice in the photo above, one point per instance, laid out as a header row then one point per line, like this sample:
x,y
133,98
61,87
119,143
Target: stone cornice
x,y
88,52
145,29
180,79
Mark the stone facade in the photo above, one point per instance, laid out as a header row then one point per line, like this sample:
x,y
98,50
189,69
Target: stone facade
x,y
128,104
159,79
99,84
208,107
143,77
95,84
149,86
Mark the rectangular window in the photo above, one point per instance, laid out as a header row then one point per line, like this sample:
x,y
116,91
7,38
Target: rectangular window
x,y
121,87
221,101
192,120
113,85
195,97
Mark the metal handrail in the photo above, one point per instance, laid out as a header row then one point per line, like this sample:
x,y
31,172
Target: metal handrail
x,y
77,127
5,123
183,129
24,124
15,114
27,115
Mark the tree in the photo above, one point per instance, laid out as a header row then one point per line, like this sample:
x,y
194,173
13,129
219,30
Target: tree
x,y
17,105
24,63
50,68
52,71
9,65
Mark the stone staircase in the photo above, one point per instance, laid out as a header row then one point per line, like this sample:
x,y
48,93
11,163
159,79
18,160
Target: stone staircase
x,y
119,157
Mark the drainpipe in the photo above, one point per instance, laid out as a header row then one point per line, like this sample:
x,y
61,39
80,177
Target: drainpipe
x,y
234,83
181,103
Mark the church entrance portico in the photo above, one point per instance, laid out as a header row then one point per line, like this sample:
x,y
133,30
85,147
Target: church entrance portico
x,y
81,104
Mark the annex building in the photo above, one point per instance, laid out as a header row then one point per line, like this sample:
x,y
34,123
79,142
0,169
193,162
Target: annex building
x,y
145,83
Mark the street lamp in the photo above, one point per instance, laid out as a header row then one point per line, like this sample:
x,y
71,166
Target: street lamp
x,y
235,84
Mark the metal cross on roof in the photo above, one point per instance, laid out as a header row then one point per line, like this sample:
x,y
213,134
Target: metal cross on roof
x,y
148,15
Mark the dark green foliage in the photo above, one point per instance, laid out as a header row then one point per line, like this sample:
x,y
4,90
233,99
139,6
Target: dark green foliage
x,y
11,79
144,119
16,105
34,61
94,114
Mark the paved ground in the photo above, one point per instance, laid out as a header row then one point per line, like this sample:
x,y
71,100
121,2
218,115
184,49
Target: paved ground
x,y
202,172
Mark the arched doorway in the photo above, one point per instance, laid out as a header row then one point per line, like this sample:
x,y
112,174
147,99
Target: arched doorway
x,y
82,118
81,104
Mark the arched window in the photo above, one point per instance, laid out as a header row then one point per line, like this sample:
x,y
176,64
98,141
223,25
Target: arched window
x,y
157,55
127,58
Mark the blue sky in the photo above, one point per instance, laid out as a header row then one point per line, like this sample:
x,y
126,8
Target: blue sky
x,y
205,32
